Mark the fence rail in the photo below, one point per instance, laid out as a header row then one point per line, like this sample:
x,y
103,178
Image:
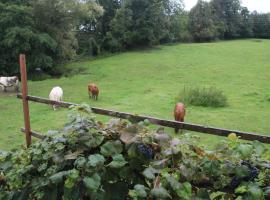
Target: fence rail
x,y
162,122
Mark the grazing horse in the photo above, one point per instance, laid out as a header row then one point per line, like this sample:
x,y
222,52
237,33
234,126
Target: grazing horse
x,y
56,94
179,114
93,91
12,81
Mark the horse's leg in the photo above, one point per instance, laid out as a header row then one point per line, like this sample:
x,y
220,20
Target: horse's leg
x,y
5,88
181,130
16,88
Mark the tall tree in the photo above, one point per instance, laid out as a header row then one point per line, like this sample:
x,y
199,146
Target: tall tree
x,y
55,17
146,23
88,34
201,24
178,22
19,35
261,25
227,17
246,24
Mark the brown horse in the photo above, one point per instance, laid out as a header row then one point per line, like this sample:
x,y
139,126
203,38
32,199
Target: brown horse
x,y
179,114
93,91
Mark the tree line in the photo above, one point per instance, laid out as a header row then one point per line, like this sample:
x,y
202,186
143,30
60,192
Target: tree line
x,y
51,32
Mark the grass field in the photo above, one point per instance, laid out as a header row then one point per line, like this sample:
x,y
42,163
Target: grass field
x,y
148,82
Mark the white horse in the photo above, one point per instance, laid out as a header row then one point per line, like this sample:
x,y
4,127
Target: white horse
x,y
56,94
12,81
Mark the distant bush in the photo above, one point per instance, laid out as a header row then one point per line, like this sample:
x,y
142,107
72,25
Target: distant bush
x,y
207,97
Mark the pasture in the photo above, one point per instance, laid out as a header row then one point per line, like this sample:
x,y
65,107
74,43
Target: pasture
x,y
148,82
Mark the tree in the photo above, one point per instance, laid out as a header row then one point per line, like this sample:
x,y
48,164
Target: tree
x,y
88,34
261,25
56,18
246,23
178,22
201,24
140,23
227,17
18,35
120,36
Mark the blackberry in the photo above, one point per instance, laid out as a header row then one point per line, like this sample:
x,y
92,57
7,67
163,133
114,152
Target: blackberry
x,y
254,172
146,151
235,182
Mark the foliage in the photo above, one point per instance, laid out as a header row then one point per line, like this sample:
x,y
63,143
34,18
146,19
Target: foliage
x,y
19,35
43,30
207,97
141,23
91,160
179,26
227,17
261,25
52,32
201,24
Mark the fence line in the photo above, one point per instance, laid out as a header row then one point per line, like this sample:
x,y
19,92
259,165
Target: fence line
x,y
157,121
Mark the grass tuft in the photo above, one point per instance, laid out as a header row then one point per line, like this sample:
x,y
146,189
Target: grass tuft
x,y
206,97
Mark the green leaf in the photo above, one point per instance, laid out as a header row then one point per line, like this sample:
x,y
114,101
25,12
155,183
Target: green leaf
x,y
255,192
241,189
92,140
96,160
149,173
259,147
160,193
242,171
118,161
92,183
201,193
72,178
174,184
111,148
80,162
132,150
185,191
211,167
267,191
58,177
146,122
217,195
140,190
245,150
182,190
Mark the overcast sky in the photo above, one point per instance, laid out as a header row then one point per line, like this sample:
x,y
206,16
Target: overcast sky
x,y
259,5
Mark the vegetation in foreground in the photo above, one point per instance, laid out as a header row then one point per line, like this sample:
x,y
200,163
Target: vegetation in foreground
x,y
148,82
121,160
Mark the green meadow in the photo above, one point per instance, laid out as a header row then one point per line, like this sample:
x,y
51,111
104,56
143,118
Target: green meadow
x,y
148,82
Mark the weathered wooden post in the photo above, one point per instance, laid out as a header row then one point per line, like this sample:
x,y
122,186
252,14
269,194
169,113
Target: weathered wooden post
x,y
25,100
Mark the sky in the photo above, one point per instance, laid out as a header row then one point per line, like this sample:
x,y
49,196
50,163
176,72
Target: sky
x,y
259,5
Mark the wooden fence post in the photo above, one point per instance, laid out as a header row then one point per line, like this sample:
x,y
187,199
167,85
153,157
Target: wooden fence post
x,y
25,100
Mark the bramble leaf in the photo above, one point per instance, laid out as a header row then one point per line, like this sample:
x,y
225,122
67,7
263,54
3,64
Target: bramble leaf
x,y
111,148
92,183
118,161
96,160
160,193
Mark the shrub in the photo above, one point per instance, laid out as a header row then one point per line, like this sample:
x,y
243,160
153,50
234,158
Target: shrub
x,y
207,97
120,160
